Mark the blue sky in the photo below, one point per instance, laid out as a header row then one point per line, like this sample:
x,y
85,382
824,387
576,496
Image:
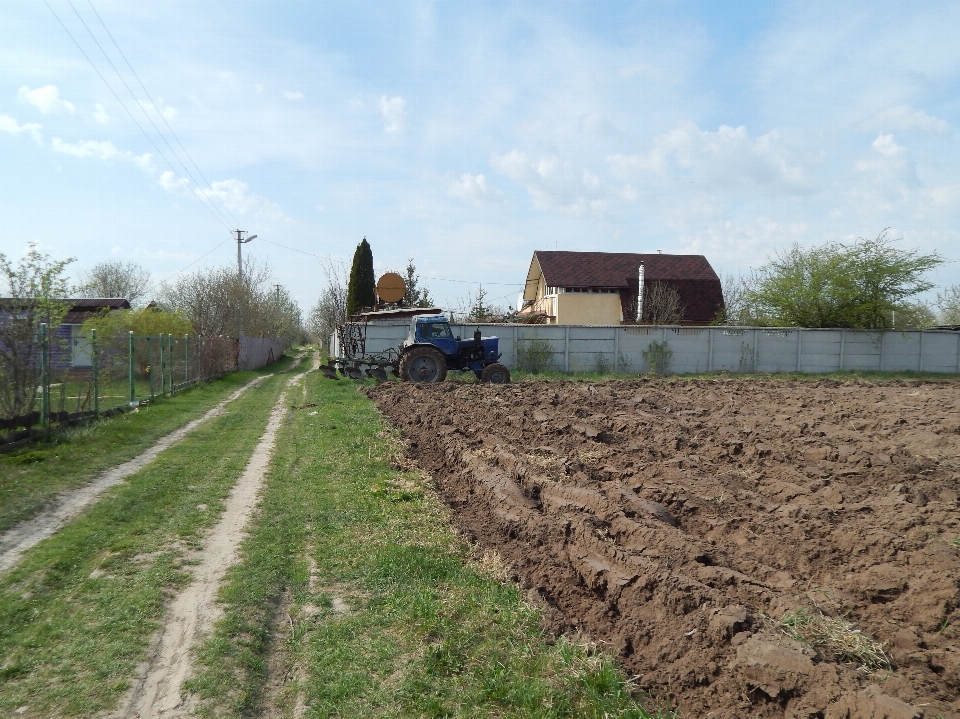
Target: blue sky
x,y
467,135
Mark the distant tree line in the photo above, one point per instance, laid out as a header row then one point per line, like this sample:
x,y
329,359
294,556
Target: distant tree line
x,y
208,302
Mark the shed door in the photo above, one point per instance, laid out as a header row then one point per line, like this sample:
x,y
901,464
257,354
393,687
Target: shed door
x,y
79,347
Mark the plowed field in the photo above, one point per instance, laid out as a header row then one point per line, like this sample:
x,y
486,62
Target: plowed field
x,y
678,522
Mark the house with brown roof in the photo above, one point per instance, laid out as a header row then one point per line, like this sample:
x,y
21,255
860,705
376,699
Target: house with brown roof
x,y
602,288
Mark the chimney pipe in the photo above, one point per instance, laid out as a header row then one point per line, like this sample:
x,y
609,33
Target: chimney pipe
x,y
640,295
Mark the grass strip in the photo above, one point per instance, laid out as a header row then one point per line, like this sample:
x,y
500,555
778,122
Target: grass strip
x,y
31,477
354,598
77,614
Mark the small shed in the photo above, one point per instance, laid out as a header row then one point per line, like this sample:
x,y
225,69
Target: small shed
x,y
69,348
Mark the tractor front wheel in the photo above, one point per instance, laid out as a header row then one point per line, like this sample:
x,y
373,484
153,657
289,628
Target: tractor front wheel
x,y
495,373
422,364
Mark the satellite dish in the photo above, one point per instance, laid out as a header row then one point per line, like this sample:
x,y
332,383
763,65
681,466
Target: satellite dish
x,y
391,287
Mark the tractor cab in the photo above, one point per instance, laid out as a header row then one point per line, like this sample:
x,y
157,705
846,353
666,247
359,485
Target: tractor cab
x,y
436,330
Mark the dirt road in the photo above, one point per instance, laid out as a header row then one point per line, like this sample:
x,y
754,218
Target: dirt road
x,y
18,539
158,691
678,522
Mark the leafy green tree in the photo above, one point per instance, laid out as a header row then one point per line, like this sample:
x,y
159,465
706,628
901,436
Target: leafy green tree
x,y
143,321
860,285
416,296
949,305
362,290
35,292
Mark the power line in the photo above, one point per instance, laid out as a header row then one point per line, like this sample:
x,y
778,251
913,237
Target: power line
x,y
162,117
109,87
188,266
142,109
438,279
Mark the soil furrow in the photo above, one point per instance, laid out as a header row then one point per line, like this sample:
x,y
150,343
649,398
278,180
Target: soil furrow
x,y
681,522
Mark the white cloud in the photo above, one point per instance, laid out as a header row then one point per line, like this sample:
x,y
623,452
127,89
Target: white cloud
x,y
475,189
102,150
12,127
46,99
888,174
392,110
553,184
161,108
720,160
173,184
905,118
235,194
293,95
100,115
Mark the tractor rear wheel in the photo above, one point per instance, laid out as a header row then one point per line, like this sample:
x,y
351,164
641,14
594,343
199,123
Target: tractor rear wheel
x,y
422,363
495,373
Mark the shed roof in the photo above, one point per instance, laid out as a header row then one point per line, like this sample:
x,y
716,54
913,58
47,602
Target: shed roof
x,y
616,269
81,309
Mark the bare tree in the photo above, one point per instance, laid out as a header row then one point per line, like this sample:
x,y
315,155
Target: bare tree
x,y
115,278
217,302
662,304
331,309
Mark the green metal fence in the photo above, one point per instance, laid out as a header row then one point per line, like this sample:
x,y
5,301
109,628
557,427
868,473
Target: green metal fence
x,y
92,376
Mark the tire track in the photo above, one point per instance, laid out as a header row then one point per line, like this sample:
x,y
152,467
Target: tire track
x,y
192,614
15,542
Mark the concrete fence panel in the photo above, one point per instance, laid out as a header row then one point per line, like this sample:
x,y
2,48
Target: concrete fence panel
x,y
257,352
630,349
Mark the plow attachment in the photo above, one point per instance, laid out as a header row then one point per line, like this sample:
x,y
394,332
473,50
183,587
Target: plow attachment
x,y
358,369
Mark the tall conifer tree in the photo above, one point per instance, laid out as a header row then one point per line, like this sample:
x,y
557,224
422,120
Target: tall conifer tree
x,y
362,290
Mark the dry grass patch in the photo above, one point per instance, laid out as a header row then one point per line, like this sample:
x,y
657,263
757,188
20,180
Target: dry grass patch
x,y
835,639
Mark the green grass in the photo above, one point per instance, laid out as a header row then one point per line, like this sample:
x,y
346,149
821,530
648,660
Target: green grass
x,y
77,613
355,599
32,476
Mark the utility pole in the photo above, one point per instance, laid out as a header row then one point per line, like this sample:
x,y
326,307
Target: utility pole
x,y
241,241
278,294
240,308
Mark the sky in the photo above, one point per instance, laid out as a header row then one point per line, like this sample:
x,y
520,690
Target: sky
x,y
467,135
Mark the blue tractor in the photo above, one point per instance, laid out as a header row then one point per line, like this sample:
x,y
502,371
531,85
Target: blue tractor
x,y
431,349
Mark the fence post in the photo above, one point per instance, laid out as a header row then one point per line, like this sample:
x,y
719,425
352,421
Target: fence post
x,y
130,368
95,351
150,364
616,350
710,350
566,348
186,359
163,378
44,377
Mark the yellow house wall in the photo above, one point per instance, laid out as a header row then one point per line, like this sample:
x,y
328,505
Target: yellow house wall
x,y
575,308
